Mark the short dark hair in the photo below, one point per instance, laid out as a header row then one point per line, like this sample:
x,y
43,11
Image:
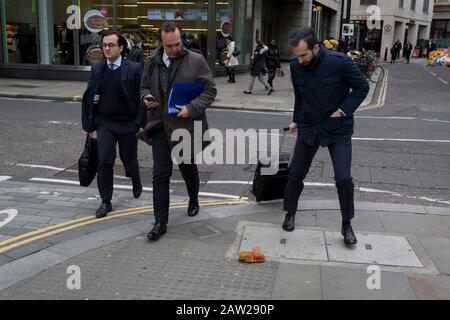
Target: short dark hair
x,y
169,26
121,41
306,34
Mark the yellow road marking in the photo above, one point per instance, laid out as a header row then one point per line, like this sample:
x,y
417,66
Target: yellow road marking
x,y
32,233
25,235
118,214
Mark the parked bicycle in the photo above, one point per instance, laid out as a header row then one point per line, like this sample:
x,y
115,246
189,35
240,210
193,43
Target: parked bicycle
x,y
368,63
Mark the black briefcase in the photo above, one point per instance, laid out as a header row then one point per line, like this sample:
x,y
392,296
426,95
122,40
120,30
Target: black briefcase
x,y
271,186
88,162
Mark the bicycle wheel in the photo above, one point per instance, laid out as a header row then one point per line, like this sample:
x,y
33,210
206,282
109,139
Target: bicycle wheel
x,y
376,75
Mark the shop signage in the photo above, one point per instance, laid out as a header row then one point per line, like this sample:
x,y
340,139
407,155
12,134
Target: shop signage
x,y
348,29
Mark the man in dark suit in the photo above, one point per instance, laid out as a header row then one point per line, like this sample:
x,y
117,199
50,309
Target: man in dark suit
x,y
112,108
173,63
323,116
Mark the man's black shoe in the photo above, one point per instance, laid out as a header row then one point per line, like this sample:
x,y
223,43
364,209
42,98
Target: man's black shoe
x,y
247,92
193,208
104,209
270,91
137,189
289,222
158,230
349,235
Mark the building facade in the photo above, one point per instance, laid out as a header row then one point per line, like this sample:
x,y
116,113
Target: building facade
x,y
440,27
403,20
279,17
60,39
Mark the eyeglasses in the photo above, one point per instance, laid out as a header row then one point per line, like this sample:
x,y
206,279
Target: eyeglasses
x,y
109,45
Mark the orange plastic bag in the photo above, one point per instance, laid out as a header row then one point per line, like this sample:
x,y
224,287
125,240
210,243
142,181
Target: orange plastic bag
x,y
255,256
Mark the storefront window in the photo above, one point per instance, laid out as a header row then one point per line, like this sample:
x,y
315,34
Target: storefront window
x,y
233,18
19,31
145,18
68,32
96,18
56,39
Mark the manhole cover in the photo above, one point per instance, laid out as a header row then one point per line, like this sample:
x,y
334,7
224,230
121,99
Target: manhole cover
x,y
324,246
275,243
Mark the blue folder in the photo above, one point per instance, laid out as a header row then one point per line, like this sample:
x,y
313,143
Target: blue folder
x,y
183,93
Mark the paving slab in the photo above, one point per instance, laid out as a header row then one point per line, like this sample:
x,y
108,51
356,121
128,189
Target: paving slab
x,y
24,268
372,249
420,225
438,250
429,287
351,284
28,249
297,282
438,211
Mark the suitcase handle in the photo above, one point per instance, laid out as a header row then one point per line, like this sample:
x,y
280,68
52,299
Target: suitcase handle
x,y
285,132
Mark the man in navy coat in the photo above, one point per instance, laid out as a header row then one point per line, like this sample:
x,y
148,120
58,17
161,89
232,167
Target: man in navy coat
x,y
328,88
111,107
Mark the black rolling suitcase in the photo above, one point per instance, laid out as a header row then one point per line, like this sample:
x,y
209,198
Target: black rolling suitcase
x,y
271,187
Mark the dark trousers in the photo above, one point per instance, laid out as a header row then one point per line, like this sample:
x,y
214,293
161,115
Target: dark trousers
x,y
162,171
110,133
341,156
271,76
231,73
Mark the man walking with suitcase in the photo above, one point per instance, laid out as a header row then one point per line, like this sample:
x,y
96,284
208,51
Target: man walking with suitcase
x,y
323,116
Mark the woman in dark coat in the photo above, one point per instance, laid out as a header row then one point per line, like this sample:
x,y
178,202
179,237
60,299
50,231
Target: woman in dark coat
x,y
258,67
272,61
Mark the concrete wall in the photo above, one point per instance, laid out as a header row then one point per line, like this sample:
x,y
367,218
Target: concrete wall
x,y
289,16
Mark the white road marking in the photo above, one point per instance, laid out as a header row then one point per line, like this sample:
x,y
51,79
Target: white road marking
x,y
4,178
433,74
60,122
281,113
401,140
387,118
11,214
37,166
229,182
77,183
368,190
401,118
220,195
123,187
442,80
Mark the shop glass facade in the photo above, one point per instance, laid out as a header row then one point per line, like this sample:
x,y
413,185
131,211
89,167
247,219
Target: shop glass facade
x,y
68,32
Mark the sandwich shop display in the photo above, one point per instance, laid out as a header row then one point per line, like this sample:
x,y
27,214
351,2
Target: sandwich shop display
x,y
61,38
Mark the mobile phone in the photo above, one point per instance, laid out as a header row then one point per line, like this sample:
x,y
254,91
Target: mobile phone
x,y
150,99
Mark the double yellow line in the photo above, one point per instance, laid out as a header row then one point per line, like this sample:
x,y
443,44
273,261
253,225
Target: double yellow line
x,y
32,236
